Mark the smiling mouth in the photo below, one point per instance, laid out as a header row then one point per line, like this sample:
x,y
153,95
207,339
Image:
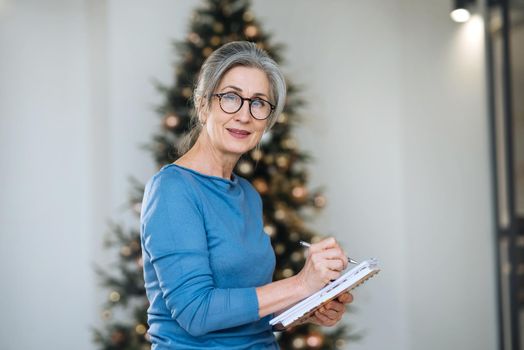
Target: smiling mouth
x,y
238,132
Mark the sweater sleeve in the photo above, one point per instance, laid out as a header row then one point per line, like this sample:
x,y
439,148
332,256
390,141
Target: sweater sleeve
x,y
174,237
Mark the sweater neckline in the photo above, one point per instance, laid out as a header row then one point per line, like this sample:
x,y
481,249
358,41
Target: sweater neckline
x,y
231,182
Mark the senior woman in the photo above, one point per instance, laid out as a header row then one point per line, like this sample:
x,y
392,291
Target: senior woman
x,y
208,264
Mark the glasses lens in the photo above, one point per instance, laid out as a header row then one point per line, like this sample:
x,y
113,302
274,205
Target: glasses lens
x,y
260,109
230,102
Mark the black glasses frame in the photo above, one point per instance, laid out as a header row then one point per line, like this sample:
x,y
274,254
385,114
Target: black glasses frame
x,y
242,99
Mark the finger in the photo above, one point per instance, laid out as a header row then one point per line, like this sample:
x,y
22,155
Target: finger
x,y
335,265
345,298
330,260
332,314
314,319
331,254
336,306
321,317
324,320
331,275
324,244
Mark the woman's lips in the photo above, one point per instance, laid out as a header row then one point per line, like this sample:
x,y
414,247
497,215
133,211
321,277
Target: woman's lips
x,y
239,134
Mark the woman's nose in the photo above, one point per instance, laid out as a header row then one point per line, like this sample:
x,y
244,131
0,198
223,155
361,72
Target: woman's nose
x,y
243,114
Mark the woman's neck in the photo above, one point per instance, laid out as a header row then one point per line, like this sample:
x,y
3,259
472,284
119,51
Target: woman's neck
x,y
206,159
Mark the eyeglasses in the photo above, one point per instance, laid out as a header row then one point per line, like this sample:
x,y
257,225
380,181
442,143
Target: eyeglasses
x,y
231,102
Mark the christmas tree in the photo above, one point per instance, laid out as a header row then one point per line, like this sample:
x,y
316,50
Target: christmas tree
x,y
276,169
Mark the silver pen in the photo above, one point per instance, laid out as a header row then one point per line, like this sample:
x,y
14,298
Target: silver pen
x,y
307,245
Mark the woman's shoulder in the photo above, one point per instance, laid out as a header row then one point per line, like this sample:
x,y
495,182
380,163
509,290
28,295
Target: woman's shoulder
x,y
169,178
248,187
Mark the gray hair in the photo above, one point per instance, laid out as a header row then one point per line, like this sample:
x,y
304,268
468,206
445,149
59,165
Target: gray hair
x,y
236,53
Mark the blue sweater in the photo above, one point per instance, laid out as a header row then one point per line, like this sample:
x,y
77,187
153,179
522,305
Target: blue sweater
x,y
204,252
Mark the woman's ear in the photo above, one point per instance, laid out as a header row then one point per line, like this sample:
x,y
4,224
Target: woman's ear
x,y
202,118
202,111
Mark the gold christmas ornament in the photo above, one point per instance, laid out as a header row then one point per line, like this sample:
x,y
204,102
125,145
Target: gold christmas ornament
x,y
215,40
280,248
269,159
314,340
251,31
289,143
270,230
294,236
245,168
287,273
299,193
218,27
114,296
280,214
282,118
260,185
186,92
140,329
207,51
257,154
299,342
194,38
282,161
226,10
171,121
248,16
125,250
296,257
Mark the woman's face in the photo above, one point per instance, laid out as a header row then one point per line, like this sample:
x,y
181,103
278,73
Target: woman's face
x,y
238,132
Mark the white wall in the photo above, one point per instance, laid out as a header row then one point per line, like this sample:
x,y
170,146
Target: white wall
x,y
396,123
45,233
446,184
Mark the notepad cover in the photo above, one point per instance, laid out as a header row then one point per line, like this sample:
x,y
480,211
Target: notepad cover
x,y
346,282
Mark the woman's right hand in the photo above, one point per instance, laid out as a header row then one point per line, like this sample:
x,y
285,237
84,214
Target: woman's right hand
x,y
325,261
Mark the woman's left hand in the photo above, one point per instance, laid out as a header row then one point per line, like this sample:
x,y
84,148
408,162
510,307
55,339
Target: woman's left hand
x,y
329,314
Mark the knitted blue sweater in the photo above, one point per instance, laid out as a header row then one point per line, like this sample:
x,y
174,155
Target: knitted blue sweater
x,y
204,252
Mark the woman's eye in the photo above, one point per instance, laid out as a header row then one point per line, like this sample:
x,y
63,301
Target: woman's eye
x,y
257,104
230,97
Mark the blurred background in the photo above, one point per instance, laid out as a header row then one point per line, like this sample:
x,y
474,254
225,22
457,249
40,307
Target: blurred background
x,y
415,123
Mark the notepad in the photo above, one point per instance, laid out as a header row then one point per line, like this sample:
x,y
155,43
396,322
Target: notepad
x,y
346,282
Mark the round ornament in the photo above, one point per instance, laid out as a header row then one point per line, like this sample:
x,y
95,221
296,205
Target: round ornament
x,y
260,185
245,168
140,329
248,16
171,121
207,51
314,340
218,27
257,154
251,31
